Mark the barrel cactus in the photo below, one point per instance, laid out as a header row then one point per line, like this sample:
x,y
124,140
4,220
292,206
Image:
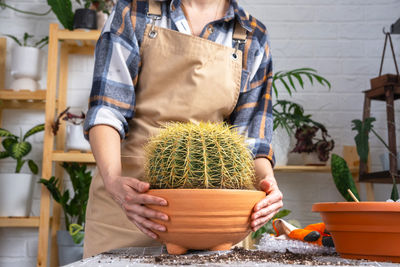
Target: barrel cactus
x,y
204,155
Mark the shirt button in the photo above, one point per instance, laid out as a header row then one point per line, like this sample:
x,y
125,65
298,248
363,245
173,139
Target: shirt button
x,y
210,29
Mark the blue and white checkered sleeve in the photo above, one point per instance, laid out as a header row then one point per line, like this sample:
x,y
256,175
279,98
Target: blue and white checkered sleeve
x,y
112,98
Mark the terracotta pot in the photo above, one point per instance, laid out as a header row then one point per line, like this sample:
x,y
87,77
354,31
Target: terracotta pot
x,y
205,219
365,230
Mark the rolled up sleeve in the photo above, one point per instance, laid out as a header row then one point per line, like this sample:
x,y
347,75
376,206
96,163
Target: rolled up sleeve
x,y
112,97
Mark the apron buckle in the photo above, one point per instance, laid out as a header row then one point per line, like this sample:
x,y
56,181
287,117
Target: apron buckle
x,y
237,43
154,18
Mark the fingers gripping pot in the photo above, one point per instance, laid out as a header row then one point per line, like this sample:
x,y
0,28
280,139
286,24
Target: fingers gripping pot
x,y
205,172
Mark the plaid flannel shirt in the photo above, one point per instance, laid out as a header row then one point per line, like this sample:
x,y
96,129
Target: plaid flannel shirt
x,y
117,64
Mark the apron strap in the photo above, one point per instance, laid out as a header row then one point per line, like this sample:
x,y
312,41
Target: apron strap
x,y
154,8
239,33
239,37
154,13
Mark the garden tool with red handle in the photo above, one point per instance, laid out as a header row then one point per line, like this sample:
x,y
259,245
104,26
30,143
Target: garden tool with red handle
x,y
313,233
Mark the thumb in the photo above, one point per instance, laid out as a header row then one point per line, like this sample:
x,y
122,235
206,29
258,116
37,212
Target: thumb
x,y
138,185
143,187
265,185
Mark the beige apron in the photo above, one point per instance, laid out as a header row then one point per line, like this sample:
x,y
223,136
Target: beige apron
x,y
183,78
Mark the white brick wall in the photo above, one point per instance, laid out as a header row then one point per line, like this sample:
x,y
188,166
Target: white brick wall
x,y
342,39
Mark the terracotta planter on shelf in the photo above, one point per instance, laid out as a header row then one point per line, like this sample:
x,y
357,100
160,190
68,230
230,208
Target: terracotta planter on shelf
x,y
205,219
365,230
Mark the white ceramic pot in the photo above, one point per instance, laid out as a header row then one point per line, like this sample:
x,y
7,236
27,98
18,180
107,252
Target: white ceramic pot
x,y
311,159
385,161
25,68
280,145
75,139
15,194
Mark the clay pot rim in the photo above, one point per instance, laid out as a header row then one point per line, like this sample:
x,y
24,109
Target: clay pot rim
x,y
196,190
356,206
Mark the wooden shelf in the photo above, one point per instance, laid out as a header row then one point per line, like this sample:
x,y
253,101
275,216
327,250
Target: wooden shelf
x,y
302,168
82,36
382,177
73,156
19,221
22,99
9,94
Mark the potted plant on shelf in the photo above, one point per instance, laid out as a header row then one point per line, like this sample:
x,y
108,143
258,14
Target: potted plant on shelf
x,y
70,241
81,18
16,188
287,114
205,172
361,230
26,76
315,150
75,139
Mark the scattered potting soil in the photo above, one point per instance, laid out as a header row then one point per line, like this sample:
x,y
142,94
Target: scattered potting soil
x,y
236,255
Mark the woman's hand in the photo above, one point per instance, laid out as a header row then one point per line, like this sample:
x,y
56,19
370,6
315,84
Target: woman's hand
x,y
265,209
130,193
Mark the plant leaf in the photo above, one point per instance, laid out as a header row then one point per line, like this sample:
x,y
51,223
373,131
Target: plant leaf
x,y
14,38
76,232
19,150
342,177
41,43
395,193
8,142
33,167
363,128
52,185
4,154
5,133
63,11
33,130
26,37
267,228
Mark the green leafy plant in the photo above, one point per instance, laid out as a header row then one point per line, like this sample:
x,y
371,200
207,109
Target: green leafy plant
x,y
267,228
73,205
363,128
17,147
342,177
290,115
204,155
26,40
288,78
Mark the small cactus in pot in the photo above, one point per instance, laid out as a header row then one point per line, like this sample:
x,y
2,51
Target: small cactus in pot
x,y
205,155
206,173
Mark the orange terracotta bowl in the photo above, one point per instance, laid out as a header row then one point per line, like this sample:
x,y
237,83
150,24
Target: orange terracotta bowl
x,y
365,230
205,219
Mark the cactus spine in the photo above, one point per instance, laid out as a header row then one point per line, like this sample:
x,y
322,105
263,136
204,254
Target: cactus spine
x,y
204,155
